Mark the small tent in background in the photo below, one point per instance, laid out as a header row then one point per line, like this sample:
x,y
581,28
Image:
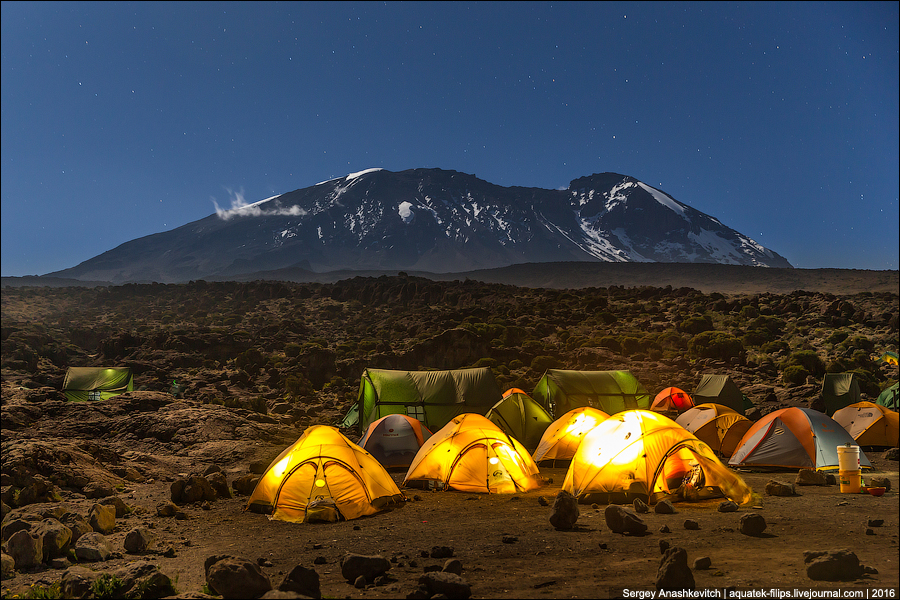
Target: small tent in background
x,y
394,440
794,438
719,426
432,397
521,417
96,383
720,389
891,358
559,391
870,424
471,454
562,437
672,399
323,476
839,390
646,455
890,397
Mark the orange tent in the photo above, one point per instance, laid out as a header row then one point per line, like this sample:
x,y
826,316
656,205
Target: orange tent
x,y
870,424
717,425
672,399
394,440
471,454
561,439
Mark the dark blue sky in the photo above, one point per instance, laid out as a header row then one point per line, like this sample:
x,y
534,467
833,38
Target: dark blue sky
x,y
120,120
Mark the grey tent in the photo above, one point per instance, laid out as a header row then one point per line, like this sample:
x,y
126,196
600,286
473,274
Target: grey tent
x,y
720,389
97,383
839,390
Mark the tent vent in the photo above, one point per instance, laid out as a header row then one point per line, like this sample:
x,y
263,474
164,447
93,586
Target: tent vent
x,y
778,431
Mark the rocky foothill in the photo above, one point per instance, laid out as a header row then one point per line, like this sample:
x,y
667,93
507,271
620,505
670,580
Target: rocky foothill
x,y
142,495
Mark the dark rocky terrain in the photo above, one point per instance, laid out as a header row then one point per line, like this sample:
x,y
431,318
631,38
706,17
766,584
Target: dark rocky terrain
x,y
229,374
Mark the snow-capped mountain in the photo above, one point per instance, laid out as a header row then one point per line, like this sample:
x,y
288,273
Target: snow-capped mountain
x,y
431,220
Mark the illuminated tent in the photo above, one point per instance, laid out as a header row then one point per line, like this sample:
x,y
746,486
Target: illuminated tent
x,y
471,454
890,357
870,424
646,455
890,397
96,383
559,391
394,440
432,397
720,389
839,390
562,437
672,399
323,476
794,438
719,426
521,417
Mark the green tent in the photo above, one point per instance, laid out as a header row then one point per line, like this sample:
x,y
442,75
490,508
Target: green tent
x,y
839,390
560,391
890,397
96,383
432,397
519,416
721,389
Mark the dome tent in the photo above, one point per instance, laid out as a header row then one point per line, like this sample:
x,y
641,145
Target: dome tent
x,y
890,397
839,390
559,391
394,440
562,437
794,438
471,454
721,389
672,399
717,425
96,383
870,424
521,417
646,455
323,476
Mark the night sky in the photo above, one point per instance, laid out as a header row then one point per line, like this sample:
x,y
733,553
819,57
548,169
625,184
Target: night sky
x,y
120,120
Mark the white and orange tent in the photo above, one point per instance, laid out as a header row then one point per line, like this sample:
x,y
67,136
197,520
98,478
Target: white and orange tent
x,y
672,399
870,424
472,454
394,440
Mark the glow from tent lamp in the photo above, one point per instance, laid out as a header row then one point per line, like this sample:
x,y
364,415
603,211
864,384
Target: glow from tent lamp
x,y
279,469
320,483
581,425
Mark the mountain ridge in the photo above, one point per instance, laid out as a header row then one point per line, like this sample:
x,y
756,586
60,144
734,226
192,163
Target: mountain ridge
x,y
432,220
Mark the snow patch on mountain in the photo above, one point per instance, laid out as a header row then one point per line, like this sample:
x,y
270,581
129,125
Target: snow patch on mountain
x,y
664,199
360,173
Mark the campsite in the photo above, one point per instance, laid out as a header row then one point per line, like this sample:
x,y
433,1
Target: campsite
x,y
227,381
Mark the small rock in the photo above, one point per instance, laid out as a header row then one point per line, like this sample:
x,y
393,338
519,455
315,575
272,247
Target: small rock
x,y
565,511
118,504
702,563
355,565
663,546
139,540
728,506
102,518
245,484
880,482
510,539
664,507
166,509
360,582
448,584
97,489
664,529
320,560
875,522
623,520
691,524
753,524
235,577
892,454
441,552
302,581
810,477
640,506
779,488
92,547
832,565
870,532
453,565
262,561
673,572
7,566
543,501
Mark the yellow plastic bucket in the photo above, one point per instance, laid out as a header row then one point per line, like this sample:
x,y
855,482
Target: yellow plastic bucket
x,y
851,481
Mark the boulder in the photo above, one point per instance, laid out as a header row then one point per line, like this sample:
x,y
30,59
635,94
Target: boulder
x,y
139,540
753,524
102,518
11,526
832,565
810,477
25,549
219,484
97,489
192,489
623,520
234,577
7,566
77,525
37,489
92,547
450,585
118,504
145,578
370,567
55,538
302,581
674,572
76,582
565,512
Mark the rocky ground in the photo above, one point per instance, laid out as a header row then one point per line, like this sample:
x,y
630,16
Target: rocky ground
x,y
253,364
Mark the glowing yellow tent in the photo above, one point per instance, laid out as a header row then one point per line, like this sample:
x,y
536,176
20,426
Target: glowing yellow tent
x,y
562,437
471,454
643,454
717,425
870,424
323,476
